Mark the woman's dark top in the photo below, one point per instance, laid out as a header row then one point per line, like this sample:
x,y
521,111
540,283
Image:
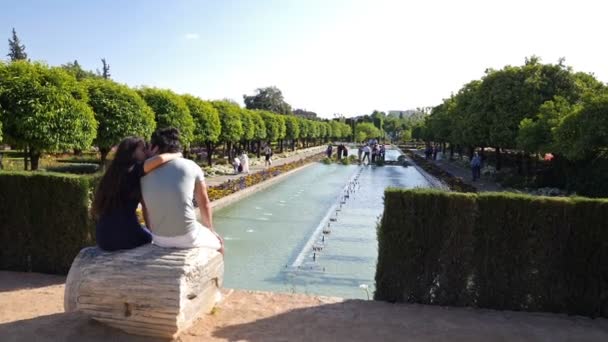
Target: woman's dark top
x,y
120,228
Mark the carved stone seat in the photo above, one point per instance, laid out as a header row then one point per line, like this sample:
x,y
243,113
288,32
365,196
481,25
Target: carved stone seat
x,y
148,290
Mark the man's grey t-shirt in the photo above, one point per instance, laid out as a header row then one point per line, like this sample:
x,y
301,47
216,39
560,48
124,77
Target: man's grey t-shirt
x,y
168,192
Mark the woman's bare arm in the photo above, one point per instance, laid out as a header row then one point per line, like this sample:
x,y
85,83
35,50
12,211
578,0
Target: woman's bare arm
x,y
158,160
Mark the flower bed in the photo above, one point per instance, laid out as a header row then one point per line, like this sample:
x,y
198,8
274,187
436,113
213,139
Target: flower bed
x,y
232,186
455,183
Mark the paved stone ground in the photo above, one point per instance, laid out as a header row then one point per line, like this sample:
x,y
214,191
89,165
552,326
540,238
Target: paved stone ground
x,y
301,154
483,184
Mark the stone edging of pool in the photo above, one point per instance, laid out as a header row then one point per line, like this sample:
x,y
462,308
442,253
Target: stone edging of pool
x,y
237,196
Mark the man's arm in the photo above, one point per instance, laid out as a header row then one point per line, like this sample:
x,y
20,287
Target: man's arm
x,y
204,204
158,160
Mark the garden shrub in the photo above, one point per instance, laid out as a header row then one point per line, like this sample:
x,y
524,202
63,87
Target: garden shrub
x,y
494,250
45,220
77,168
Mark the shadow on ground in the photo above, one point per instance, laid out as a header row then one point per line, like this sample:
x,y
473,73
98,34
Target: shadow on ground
x,y
10,282
356,320
65,327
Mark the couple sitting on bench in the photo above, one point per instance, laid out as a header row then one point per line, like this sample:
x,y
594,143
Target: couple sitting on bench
x,y
165,184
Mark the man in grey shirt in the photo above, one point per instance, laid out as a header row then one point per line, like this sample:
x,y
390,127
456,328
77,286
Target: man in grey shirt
x,y
168,194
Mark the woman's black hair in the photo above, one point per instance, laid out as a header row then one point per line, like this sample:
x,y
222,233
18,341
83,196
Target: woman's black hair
x,y
108,192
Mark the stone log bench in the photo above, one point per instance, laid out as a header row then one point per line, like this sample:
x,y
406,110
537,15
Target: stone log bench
x,y
148,290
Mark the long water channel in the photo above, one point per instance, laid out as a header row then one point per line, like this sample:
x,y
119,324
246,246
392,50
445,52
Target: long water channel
x,y
302,235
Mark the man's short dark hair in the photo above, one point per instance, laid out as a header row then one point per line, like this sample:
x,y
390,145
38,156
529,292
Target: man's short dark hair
x,y
167,140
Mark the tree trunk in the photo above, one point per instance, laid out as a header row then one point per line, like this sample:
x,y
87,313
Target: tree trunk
x,y
293,146
281,144
1,157
104,157
35,158
26,156
209,147
77,152
471,152
451,151
258,150
520,163
498,159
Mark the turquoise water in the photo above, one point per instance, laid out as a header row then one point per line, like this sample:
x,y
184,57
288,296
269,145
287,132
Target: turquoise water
x,y
270,235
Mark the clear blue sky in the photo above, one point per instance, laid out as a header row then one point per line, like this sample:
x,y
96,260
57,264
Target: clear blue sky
x,y
327,56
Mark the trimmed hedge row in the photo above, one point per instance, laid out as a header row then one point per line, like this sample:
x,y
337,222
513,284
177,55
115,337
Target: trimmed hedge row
x,y
494,250
44,220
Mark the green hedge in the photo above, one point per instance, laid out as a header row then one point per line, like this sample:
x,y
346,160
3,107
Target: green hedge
x,y
45,220
494,250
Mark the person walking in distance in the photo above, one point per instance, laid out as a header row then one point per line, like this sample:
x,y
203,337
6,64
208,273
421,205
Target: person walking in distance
x,y
476,166
267,155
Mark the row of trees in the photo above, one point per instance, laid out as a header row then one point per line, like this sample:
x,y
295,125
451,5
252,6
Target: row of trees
x,y
44,109
532,108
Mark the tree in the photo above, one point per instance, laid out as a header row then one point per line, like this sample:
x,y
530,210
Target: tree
x,y
271,121
269,98
260,130
365,131
583,135
207,126
170,111
16,50
44,109
230,120
249,128
77,71
535,134
120,112
282,130
292,127
105,69
305,128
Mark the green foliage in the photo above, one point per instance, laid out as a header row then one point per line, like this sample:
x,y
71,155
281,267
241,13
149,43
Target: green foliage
x,y
584,134
74,69
258,123
171,111
281,123
248,125
272,125
230,119
75,168
16,49
365,131
120,112
45,108
494,250
207,126
270,99
39,232
292,127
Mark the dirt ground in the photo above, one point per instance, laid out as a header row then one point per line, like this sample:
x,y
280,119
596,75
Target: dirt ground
x,y
31,309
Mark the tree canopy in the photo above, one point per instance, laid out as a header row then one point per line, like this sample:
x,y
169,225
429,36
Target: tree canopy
x,y
170,111
230,119
207,127
365,131
120,112
269,98
45,109
16,49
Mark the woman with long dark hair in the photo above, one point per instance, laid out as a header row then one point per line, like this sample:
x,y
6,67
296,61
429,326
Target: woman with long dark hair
x,y
119,194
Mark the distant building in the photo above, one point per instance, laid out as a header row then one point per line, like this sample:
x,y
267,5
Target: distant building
x,y
305,114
